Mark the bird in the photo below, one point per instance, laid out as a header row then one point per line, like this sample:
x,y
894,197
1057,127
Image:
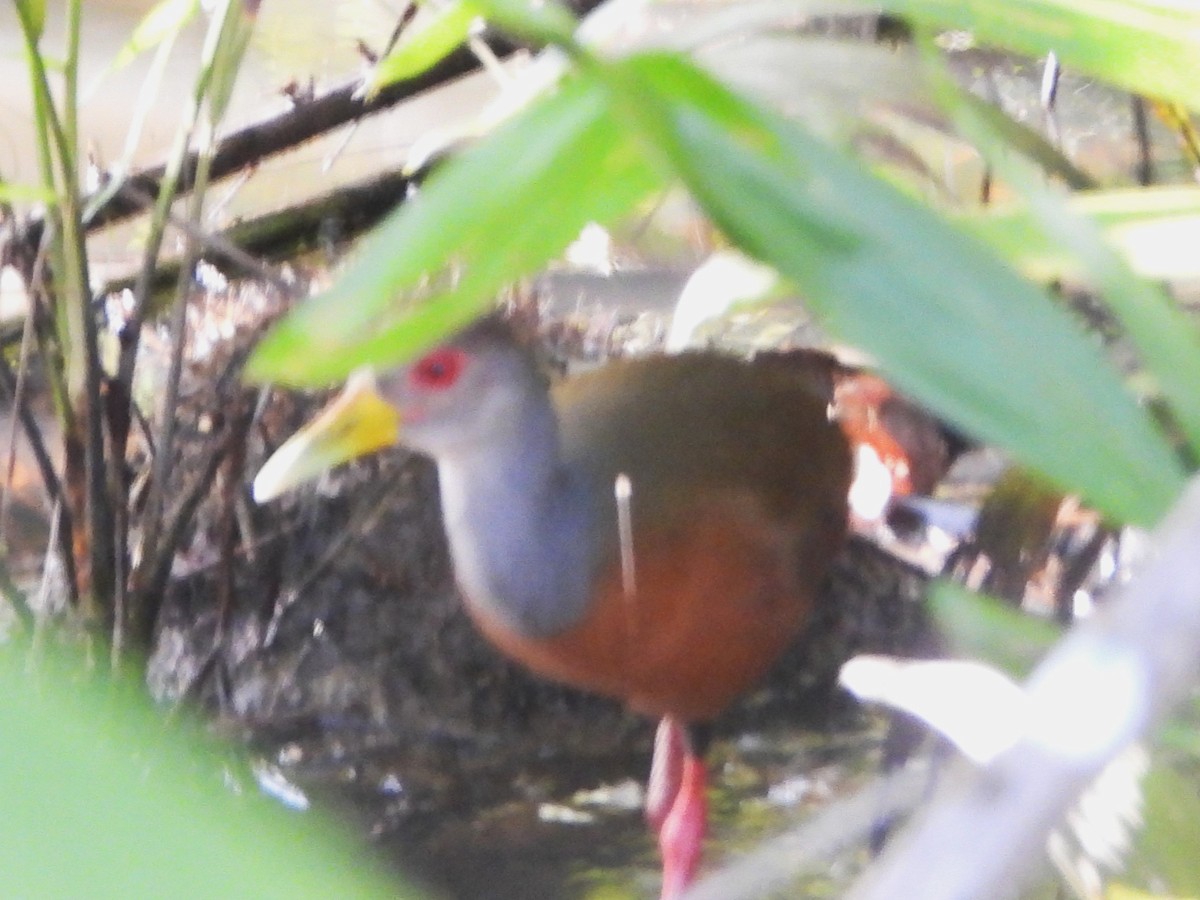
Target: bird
x,y
655,530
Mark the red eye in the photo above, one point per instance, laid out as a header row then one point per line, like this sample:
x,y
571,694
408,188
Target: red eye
x,y
439,369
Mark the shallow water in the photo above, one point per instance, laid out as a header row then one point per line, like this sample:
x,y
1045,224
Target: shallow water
x,y
499,824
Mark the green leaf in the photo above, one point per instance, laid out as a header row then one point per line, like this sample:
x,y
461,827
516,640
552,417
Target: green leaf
x,y
544,21
164,21
1027,142
504,208
1168,340
839,88
26,193
1151,47
948,321
225,46
104,799
33,16
981,627
428,42
1166,851
449,25
1154,228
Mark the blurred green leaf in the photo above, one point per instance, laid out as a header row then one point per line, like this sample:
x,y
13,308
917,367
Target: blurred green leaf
x,y
505,207
1180,735
1168,340
103,799
26,193
543,21
1154,228
448,26
165,20
980,627
1151,47
1166,848
425,44
1020,137
838,87
33,14
225,46
948,321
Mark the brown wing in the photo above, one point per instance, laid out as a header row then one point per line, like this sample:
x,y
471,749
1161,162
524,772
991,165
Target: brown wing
x,y
739,502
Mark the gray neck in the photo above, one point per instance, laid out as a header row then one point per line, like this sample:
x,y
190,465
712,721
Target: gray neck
x,y
518,523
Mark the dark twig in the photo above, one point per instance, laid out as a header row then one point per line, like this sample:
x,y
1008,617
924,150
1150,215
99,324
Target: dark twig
x,y
406,18
353,209
300,124
1141,135
145,599
33,433
150,579
238,426
18,399
1074,573
215,243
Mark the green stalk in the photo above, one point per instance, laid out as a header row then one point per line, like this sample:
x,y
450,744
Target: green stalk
x,y
72,304
224,47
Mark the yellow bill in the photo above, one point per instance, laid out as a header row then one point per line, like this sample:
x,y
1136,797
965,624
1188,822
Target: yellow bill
x,y
358,422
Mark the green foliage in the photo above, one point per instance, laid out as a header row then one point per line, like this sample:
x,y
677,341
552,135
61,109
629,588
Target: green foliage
x,y
224,47
545,22
160,24
570,145
1151,226
947,318
449,25
1169,340
1166,850
96,780
105,799
958,328
426,44
981,627
26,193
1150,47
33,16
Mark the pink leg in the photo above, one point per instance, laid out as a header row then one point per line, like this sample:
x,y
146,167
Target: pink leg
x,y
666,770
676,805
681,837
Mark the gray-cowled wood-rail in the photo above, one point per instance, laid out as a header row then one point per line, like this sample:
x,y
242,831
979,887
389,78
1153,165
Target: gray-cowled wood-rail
x,y
675,600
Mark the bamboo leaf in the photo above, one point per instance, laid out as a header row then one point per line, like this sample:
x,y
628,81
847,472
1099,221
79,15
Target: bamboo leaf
x,y
947,320
1154,228
103,800
225,45
164,21
543,21
981,627
502,209
1150,47
1169,342
1166,848
430,41
33,15
26,193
